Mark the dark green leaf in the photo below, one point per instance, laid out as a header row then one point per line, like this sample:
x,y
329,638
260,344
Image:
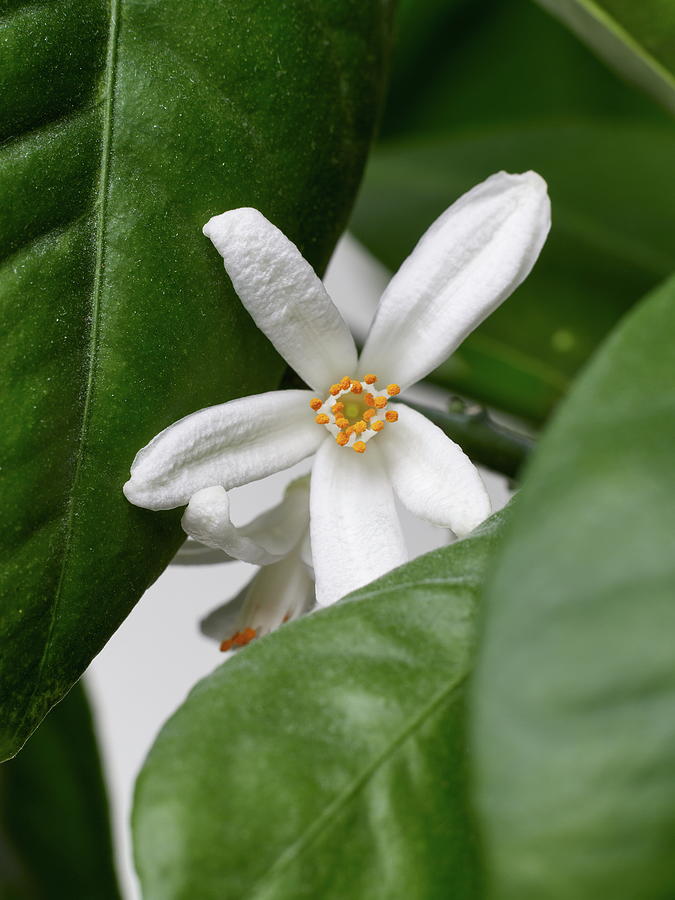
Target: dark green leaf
x,y
573,727
54,828
612,239
327,760
637,39
125,128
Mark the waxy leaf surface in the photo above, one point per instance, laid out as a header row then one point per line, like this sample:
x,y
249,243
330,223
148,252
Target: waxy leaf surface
x,y
573,726
327,760
125,127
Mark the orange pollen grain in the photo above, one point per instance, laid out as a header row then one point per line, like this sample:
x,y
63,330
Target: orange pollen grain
x,y
342,423
391,415
322,419
393,390
316,403
349,430
345,382
377,426
360,427
357,387
359,446
380,402
370,379
342,439
370,400
368,414
334,389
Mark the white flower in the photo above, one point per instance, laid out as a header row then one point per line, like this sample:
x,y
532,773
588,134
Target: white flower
x,y
277,541
466,264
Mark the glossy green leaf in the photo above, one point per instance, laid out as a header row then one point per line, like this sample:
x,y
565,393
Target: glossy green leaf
x,y
573,724
327,760
612,239
635,38
126,127
54,827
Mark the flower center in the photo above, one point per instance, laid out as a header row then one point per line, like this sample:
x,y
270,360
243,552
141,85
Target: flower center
x,y
355,411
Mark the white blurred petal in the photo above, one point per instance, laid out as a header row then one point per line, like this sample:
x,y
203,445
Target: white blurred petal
x,y
431,475
227,445
355,530
284,296
470,260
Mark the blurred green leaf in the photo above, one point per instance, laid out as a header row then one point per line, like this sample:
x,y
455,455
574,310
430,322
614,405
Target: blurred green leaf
x,y
612,240
573,724
54,828
635,38
327,760
125,128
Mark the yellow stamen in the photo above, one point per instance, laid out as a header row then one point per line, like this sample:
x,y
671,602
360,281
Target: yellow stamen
x,y
239,639
316,403
360,427
370,400
391,415
342,423
359,446
368,414
377,426
380,402
357,387
322,419
338,406
345,383
393,390
342,439
334,389
349,430
370,379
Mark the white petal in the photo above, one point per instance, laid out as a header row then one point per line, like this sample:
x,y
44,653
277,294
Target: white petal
x,y
263,541
356,534
431,475
284,296
228,445
279,593
470,260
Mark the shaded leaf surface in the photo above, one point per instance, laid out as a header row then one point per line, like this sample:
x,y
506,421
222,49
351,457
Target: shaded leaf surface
x,y
54,827
573,698
612,239
327,760
126,127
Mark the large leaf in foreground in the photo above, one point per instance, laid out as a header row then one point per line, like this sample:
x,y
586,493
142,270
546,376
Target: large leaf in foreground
x,y
612,239
328,760
636,39
574,729
54,827
125,128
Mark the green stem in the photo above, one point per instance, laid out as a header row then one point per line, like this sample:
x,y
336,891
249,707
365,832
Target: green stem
x,y
484,440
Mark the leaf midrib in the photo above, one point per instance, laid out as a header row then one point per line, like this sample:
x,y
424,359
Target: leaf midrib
x,y
291,853
110,72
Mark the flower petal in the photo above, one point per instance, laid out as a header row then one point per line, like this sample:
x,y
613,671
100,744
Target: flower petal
x,y
284,296
192,553
431,475
467,263
356,534
229,445
277,594
263,541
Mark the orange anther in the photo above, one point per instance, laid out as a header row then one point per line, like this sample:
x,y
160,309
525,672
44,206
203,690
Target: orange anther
x,y
377,426
357,387
370,379
360,427
342,423
359,446
334,389
226,645
322,419
342,439
349,430
315,403
391,415
380,402
338,406
393,390
345,383
368,414
370,400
